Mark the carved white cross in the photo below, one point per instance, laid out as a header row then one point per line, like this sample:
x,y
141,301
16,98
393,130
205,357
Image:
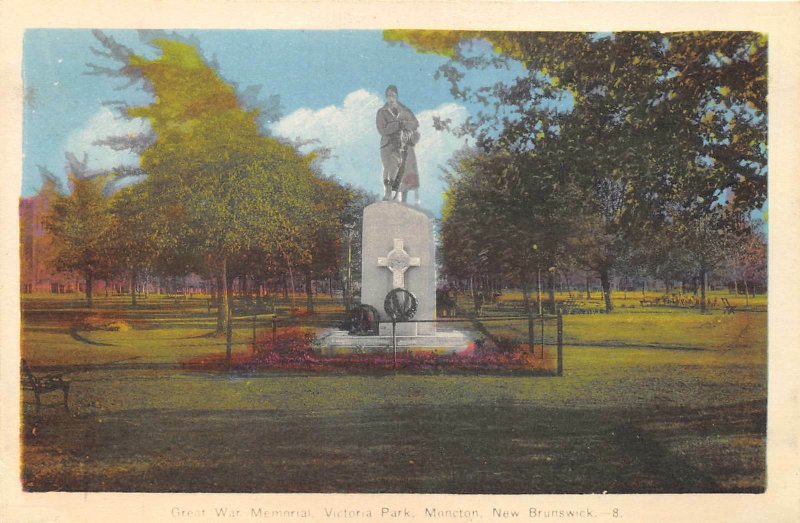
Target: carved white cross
x,y
398,261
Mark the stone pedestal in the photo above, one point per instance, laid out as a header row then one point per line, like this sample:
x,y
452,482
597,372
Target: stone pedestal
x,y
398,251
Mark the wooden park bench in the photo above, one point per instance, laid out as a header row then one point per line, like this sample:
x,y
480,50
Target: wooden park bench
x,y
728,308
44,384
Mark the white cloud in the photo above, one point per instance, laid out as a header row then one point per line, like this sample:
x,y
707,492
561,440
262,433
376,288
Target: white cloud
x,y
349,131
103,124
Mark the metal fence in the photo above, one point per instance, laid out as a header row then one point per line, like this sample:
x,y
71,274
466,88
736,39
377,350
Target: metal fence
x,y
540,336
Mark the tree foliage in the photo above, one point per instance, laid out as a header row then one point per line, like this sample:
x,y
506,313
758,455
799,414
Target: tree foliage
x,y
83,226
226,188
219,195
618,129
140,241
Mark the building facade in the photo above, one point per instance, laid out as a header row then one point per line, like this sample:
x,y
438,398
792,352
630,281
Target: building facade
x,y
36,272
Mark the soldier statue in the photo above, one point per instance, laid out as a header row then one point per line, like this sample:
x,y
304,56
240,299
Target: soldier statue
x,y
398,128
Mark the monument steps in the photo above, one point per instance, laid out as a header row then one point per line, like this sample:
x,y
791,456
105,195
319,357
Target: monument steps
x,y
339,341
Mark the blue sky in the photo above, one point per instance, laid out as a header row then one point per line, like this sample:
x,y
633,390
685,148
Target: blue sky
x,y
330,84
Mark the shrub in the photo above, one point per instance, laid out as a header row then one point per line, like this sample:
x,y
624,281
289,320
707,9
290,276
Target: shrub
x,y
292,350
99,323
290,342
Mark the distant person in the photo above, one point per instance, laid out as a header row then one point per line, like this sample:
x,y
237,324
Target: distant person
x,y
398,128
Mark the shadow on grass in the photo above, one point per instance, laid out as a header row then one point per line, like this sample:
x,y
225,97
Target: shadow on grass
x,y
488,449
211,334
73,332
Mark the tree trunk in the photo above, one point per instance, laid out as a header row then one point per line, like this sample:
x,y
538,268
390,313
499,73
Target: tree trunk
x,y
477,302
229,315
588,288
309,293
703,283
133,287
222,296
89,282
526,299
746,300
291,282
551,292
605,282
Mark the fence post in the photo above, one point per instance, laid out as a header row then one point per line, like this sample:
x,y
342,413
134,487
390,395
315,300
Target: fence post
x,y
541,334
394,343
560,351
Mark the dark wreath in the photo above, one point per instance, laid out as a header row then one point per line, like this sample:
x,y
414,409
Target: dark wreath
x,y
364,321
400,305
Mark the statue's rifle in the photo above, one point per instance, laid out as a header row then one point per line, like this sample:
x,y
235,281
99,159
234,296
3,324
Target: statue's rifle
x,y
405,137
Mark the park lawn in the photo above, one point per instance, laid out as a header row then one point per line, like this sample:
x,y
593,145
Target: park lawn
x,y
167,331
633,299
163,330
670,329
668,402
671,426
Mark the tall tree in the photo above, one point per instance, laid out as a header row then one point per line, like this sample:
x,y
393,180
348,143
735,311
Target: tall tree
x,y
312,242
222,186
747,256
351,234
229,187
141,235
83,225
636,122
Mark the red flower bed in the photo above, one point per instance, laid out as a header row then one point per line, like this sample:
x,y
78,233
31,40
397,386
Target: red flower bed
x,y
292,350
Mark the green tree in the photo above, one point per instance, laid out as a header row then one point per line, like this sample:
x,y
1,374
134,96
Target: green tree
x,y
747,256
502,217
220,187
313,240
351,233
632,123
83,225
704,238
140,236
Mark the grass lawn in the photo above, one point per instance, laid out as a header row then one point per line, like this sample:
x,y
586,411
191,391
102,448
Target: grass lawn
x,y
652,400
